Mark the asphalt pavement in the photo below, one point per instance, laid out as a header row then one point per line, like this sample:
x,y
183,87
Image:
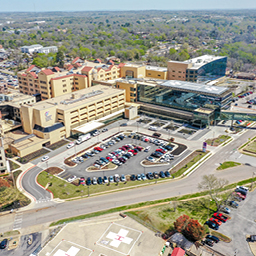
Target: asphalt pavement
x,y
29,184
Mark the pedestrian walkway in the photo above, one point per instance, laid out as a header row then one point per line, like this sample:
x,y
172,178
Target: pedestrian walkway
x,y
18,221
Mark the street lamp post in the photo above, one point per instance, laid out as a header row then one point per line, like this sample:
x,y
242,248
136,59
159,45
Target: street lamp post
x,y
88,191
253,175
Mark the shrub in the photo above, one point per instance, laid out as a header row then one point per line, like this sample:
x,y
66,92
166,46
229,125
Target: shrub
x,y
181,223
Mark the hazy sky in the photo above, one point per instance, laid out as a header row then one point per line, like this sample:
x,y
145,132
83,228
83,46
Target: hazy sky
x,y
87,5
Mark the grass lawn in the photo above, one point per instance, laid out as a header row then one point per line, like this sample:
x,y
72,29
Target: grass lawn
x,y
179,169
9,197
228,164
13,165
251,147
65,190
217,141
161,217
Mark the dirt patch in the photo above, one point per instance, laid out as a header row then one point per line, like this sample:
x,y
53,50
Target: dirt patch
x,y
179,149
54,170
33,155
57,144
146,162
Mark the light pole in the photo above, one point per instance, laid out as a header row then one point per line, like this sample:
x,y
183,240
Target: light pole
x,y
209,208
88,191
253,175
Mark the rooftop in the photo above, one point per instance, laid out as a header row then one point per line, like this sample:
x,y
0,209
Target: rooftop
x,y
198,62
195,87
78,98
32,46
154,68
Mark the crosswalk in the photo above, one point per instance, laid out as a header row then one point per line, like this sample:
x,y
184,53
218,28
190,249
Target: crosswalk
x,y
18,221
43,200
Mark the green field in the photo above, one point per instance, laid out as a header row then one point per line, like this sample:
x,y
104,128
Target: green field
x,y
228,164
251,147
64,190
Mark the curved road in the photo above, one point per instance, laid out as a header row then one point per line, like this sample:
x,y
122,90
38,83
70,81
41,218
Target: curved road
x,y
30,185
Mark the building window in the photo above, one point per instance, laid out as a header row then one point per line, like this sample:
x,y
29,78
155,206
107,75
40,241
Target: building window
x,y
149,74
65,90
64,85
63,80
173,75
132,89
76,78
42,82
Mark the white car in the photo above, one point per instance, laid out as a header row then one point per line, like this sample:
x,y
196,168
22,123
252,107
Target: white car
x,y
152,128
45,158
72,178
70,145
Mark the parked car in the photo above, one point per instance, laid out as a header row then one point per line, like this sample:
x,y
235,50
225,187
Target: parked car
x,y
143,176
233,204
213,238
208,242
161,174
218,222
3,244
111,179
156,175
225,209
94,181
105,178
88,181
152,128
72,178
212,225
133,177
167,174
122,178
241,195
100,181
242,191
151,159
150,176
220,216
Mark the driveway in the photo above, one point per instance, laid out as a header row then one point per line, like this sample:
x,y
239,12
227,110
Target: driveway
x,y
242,223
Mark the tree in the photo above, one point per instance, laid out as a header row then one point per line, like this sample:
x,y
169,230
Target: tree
x,y
181,223
194,231
60,58
214,186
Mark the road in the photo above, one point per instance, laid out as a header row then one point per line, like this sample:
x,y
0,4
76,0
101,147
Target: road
x,y
29,184
47,213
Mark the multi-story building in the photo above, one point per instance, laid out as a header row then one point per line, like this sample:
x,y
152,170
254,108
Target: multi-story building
x,y
3,162
48,49
49,121
31,48
38,48
206,67
53,82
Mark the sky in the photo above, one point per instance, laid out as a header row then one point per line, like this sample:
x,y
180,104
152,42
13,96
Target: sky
x,y
99,5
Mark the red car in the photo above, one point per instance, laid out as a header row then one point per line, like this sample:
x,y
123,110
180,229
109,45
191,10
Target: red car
x,y
220,216
218,222
132,151
160,150
98,148
241,195
139,148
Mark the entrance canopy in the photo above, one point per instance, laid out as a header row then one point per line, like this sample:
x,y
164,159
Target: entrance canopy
x,y
88,127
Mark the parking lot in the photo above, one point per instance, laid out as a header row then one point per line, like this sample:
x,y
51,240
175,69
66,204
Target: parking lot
x,y
242,223
131,166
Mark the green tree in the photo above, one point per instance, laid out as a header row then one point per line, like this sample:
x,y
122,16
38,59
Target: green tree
x,y
60,58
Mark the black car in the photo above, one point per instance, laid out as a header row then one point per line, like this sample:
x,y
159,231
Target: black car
x,y
208,242
123,124
100,181
233,204
161,174
168,147
3,244
212,225
104,130
213,238
85,155
167,174
133,177
127,155
150,176
88,181
156,175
